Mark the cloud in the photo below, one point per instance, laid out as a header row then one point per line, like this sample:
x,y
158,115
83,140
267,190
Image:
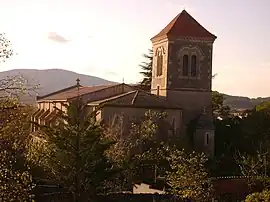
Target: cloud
x,y
57,38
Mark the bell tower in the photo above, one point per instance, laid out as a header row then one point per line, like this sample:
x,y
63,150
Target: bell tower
x,y
182,72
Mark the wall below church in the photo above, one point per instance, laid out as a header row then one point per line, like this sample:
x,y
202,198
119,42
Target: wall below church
x,y
131,114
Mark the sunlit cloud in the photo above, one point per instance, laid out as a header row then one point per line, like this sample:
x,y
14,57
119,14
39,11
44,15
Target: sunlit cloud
x,y
57,37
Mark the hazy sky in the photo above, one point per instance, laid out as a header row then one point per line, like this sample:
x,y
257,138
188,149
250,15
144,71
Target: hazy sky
x,y
106,38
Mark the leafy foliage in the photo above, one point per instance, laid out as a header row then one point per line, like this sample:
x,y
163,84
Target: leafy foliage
x,y
263,106
73,152
219,109
14,131
141,149
263,196
188,177
5,48
15,125
15,185
12,86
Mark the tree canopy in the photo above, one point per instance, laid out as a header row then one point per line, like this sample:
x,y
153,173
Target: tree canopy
x,y
146,69
72,152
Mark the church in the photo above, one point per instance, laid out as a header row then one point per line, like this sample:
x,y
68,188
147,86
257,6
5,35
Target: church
x,y
181,86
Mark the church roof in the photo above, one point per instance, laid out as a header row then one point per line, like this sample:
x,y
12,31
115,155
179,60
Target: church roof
x,y
137,98
184,25
71,92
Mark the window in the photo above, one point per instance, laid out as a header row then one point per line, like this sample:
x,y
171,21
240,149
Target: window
x,y
207,139
159,63
193,65
185,65
158,90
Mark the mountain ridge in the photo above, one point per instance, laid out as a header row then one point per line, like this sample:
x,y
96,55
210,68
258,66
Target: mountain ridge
x,y
52,80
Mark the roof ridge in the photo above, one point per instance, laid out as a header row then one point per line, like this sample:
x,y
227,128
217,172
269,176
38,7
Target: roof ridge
x,y
117,96
58,91
105,87
135,96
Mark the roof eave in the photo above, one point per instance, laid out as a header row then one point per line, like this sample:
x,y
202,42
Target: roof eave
x,y
158,38
44,100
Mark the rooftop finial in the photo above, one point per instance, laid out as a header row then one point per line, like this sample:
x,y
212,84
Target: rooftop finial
x,y
123,80
78,81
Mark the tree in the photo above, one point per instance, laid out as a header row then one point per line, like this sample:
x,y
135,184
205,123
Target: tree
x,y
72,152
146,67
15,178
256,169
15,184
219,109
11,87
6,50
15,125
265,106
188,177
140,152
263,196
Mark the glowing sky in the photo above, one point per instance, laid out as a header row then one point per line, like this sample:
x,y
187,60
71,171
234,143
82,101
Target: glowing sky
x,y
106,38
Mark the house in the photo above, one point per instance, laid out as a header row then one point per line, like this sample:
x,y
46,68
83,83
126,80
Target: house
x,y
181,86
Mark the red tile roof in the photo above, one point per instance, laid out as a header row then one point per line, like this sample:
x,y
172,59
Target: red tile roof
x,y
73,92
184,25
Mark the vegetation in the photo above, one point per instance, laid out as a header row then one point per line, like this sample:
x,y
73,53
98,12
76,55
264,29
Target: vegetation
x,y
15,178
6,50
15,184
263,196
188,177
146,69
140,151
72,152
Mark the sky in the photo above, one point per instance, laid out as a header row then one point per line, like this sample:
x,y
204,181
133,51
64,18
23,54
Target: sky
x,y
106,38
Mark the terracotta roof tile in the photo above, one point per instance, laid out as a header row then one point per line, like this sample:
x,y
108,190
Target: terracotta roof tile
x,y
184,25
73,92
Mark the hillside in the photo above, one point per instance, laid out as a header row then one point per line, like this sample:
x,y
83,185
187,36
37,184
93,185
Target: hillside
x,y
238,102
51,80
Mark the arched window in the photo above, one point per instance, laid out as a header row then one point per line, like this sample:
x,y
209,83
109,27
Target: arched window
x,y
159,63
193,65
185,65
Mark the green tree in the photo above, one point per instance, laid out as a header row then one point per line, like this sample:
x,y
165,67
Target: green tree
x,y
188,177
15,184
141,151
15,125
265,106
146,71
15,179
72,152
219,109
